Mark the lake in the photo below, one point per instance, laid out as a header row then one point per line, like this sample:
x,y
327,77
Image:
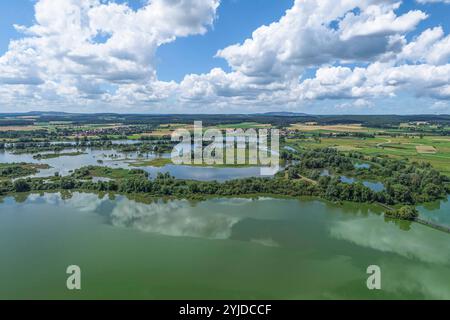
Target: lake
x,y
217,249
438,212
362,166
374,186
109,158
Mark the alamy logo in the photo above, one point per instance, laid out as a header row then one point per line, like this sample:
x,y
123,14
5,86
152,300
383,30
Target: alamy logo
x,y
74,279
374,280
235,147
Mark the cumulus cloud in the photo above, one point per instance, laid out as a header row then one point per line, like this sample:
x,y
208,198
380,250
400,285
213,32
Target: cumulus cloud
x,y
432,46
378,79
102,54
316,32
422,68
332,37
433,1
94,49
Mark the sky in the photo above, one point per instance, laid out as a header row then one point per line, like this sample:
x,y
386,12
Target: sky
x,y
225,56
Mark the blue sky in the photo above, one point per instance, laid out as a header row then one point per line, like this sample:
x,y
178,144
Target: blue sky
x,y
13,12
167,58
236,21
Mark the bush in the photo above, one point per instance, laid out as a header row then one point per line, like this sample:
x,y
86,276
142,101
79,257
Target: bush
x,y
21,186
404,213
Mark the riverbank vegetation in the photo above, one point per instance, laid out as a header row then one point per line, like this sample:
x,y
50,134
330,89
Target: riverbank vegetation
x,y
157,162
403,213
57,155
141,147
16,170
105,172
405,184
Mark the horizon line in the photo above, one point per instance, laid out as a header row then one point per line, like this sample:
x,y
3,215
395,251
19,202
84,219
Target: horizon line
x,y
269,113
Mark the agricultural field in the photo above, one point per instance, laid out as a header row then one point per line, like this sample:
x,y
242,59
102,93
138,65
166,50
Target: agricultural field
x,y
20,128
314,127
432,149
244,125
167,129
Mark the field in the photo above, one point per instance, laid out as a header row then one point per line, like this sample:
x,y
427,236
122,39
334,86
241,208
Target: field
x,y
244,125
156,133
167,129
432,149
19,128
426,149
330,128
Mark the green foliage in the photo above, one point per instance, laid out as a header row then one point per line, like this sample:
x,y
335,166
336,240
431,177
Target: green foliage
x,y
21,186
404,213
57,155
16,170
116,173
405,183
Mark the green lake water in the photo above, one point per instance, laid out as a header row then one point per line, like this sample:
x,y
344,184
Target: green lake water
x,y
216,249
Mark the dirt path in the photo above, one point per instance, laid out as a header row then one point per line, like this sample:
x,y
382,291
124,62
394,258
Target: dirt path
x,y
302,178
381,144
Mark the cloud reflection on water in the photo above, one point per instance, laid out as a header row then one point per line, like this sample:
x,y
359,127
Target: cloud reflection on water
x,y
373,232
174,218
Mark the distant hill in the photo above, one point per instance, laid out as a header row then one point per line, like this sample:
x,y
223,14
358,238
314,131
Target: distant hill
x,y
46,113
285,114
35,114
274,118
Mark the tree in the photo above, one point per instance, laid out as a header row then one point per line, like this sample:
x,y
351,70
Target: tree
x,y
21,186
404,213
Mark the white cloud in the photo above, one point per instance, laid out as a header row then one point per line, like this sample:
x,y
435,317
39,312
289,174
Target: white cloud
x,y
441,106
432,46
377,80
266,68
379,20
101,54
422,68
61,53
433,1
317,32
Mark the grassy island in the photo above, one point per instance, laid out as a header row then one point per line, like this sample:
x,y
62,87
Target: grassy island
x,y
17,170
57,155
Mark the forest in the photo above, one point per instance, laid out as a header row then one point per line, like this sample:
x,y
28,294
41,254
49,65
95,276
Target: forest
x,y
277,119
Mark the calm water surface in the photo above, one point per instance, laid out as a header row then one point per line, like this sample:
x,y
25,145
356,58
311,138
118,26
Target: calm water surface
x,y
223,248
374,186
66,164
438,212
